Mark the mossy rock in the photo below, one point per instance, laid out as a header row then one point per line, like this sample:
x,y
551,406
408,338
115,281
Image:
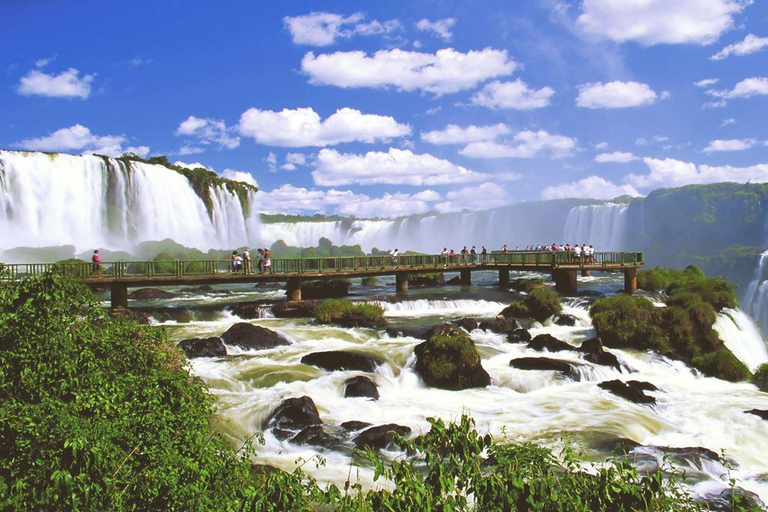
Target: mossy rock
x,y
426,279
760,378
325,289
539,304
723,365
348,314
625,321
450,360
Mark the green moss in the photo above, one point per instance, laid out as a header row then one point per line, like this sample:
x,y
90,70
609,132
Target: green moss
x,y
760,379
369,281
450,360
539,304
722,364
334,309
625,321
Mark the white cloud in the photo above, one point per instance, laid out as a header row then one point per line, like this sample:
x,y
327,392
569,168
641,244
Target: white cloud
x,y
512,95
303,127
396,167
755,86
593,187
323,28
602,146
660,138
271,160
651,22
615,157
208,131
190,150
615,95
41,63
730,145
482,197
447,71
641,142
192,165
441,28
675,173
454,134
525,144
242,176
293,160
388,206
66,84
750,44
141,151
706,82
76,138
727,122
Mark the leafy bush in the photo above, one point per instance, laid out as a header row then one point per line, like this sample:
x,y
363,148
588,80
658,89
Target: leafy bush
x,y
369,281
625,321
334,309
722,364
760,379
540,304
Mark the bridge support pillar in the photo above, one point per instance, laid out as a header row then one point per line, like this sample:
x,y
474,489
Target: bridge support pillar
x,y
401,283
504,278
585,272
293,289
466,277
118,295
630,280
565,281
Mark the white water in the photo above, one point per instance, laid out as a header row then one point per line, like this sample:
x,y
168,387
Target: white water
x,y
742,337
94,202
756,298
602,225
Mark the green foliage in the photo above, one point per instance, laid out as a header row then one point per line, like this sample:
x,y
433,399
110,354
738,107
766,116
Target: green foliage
x,y
101,414
324,249
333,309
626,321
540,304
760,379
369,281
445,352
721,363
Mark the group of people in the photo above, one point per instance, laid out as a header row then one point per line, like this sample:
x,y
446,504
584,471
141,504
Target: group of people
x,y
465,255
478,257
241,262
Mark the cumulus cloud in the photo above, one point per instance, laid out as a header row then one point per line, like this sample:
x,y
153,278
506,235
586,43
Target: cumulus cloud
x,y
395,167
192,165
755,86
615,157
66,84
304,127
323,28
481,197
441,28
602,146
445,71
41,63
293,160
651,22
707,82
190,150
615,95
208,131
512,95
242,176
750,44
675,173
593,187
730,145
141,151
525,144
454,134
79,138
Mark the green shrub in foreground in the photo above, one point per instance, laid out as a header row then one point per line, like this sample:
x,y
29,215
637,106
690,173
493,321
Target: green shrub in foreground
x,y
334,309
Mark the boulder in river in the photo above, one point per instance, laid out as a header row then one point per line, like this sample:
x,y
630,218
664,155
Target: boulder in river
x,y
197,289
632,390
549,343
380,436
450,360
566,368
355,425
301,309
594,353
759,412
150,294
293,415
360,386
315,436
500,325
136,316
339,360
253,337
468,324
325,289
203,347
725,499
566,320
518,335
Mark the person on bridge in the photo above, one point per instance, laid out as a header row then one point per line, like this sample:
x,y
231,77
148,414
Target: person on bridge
x,y
483,255
246,261
394,254
260,261
236,261
504,249
473,254
96,263
444,256
267,261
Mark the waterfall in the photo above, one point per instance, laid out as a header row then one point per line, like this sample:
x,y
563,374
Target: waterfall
x,y
756,298
93,201
742,337
603,226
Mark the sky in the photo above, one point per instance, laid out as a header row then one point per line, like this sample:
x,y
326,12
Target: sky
x,y
382,109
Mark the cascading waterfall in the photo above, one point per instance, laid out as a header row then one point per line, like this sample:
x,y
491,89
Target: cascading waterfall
x,y
756,298
742,337
603,226
93,201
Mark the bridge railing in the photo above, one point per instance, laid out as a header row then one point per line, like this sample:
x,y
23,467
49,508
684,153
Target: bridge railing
x,y
414,262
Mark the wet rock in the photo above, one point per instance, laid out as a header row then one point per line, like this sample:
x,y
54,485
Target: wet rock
x,y
566,320
594,353
339,360
400,332
300,309
632,390
518,335
381,436
293,415
246,311
150,294
549,343
430,279
325,289
355,425
197,289
449,360
468,324
360,386
501,325
136,316
454,280
725,499
203,347
315,436
253,337
264,469
757,412
546,363
526,285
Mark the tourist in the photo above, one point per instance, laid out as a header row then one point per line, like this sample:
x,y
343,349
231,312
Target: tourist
x,y
452,255
260,261
96,263
247,261
504,249
267,261
473,255
394,254
236,261
444,256
483,255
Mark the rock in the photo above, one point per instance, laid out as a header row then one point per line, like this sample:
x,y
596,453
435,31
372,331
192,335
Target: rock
x,y
253,337
339,360
631,390
518,335
400,332
197,289
360,386
525,285
315,436
204,347
381,436
150,294
566,320
724,500
500,325
431,279
293,415
355,425
757,412
454,280
246,311
449,360
136,316
325,289
546,363
468,324
301,309
507,312
549,343
594,353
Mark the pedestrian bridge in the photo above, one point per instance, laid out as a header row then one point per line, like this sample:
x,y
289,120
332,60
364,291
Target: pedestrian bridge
x,y
121,275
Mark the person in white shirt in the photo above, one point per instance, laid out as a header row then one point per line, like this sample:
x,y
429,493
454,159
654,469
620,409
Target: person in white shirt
x,y
395,253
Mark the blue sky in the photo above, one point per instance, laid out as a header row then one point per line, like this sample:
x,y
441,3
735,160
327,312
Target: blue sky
x,y
393,108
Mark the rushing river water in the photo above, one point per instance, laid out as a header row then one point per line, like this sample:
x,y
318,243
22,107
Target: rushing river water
x,y
519,405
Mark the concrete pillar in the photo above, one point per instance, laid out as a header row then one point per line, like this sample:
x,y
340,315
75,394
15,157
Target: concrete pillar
x,y
118,295
565,281
630,280
585,272
504,278
466,277
401,283
293,289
